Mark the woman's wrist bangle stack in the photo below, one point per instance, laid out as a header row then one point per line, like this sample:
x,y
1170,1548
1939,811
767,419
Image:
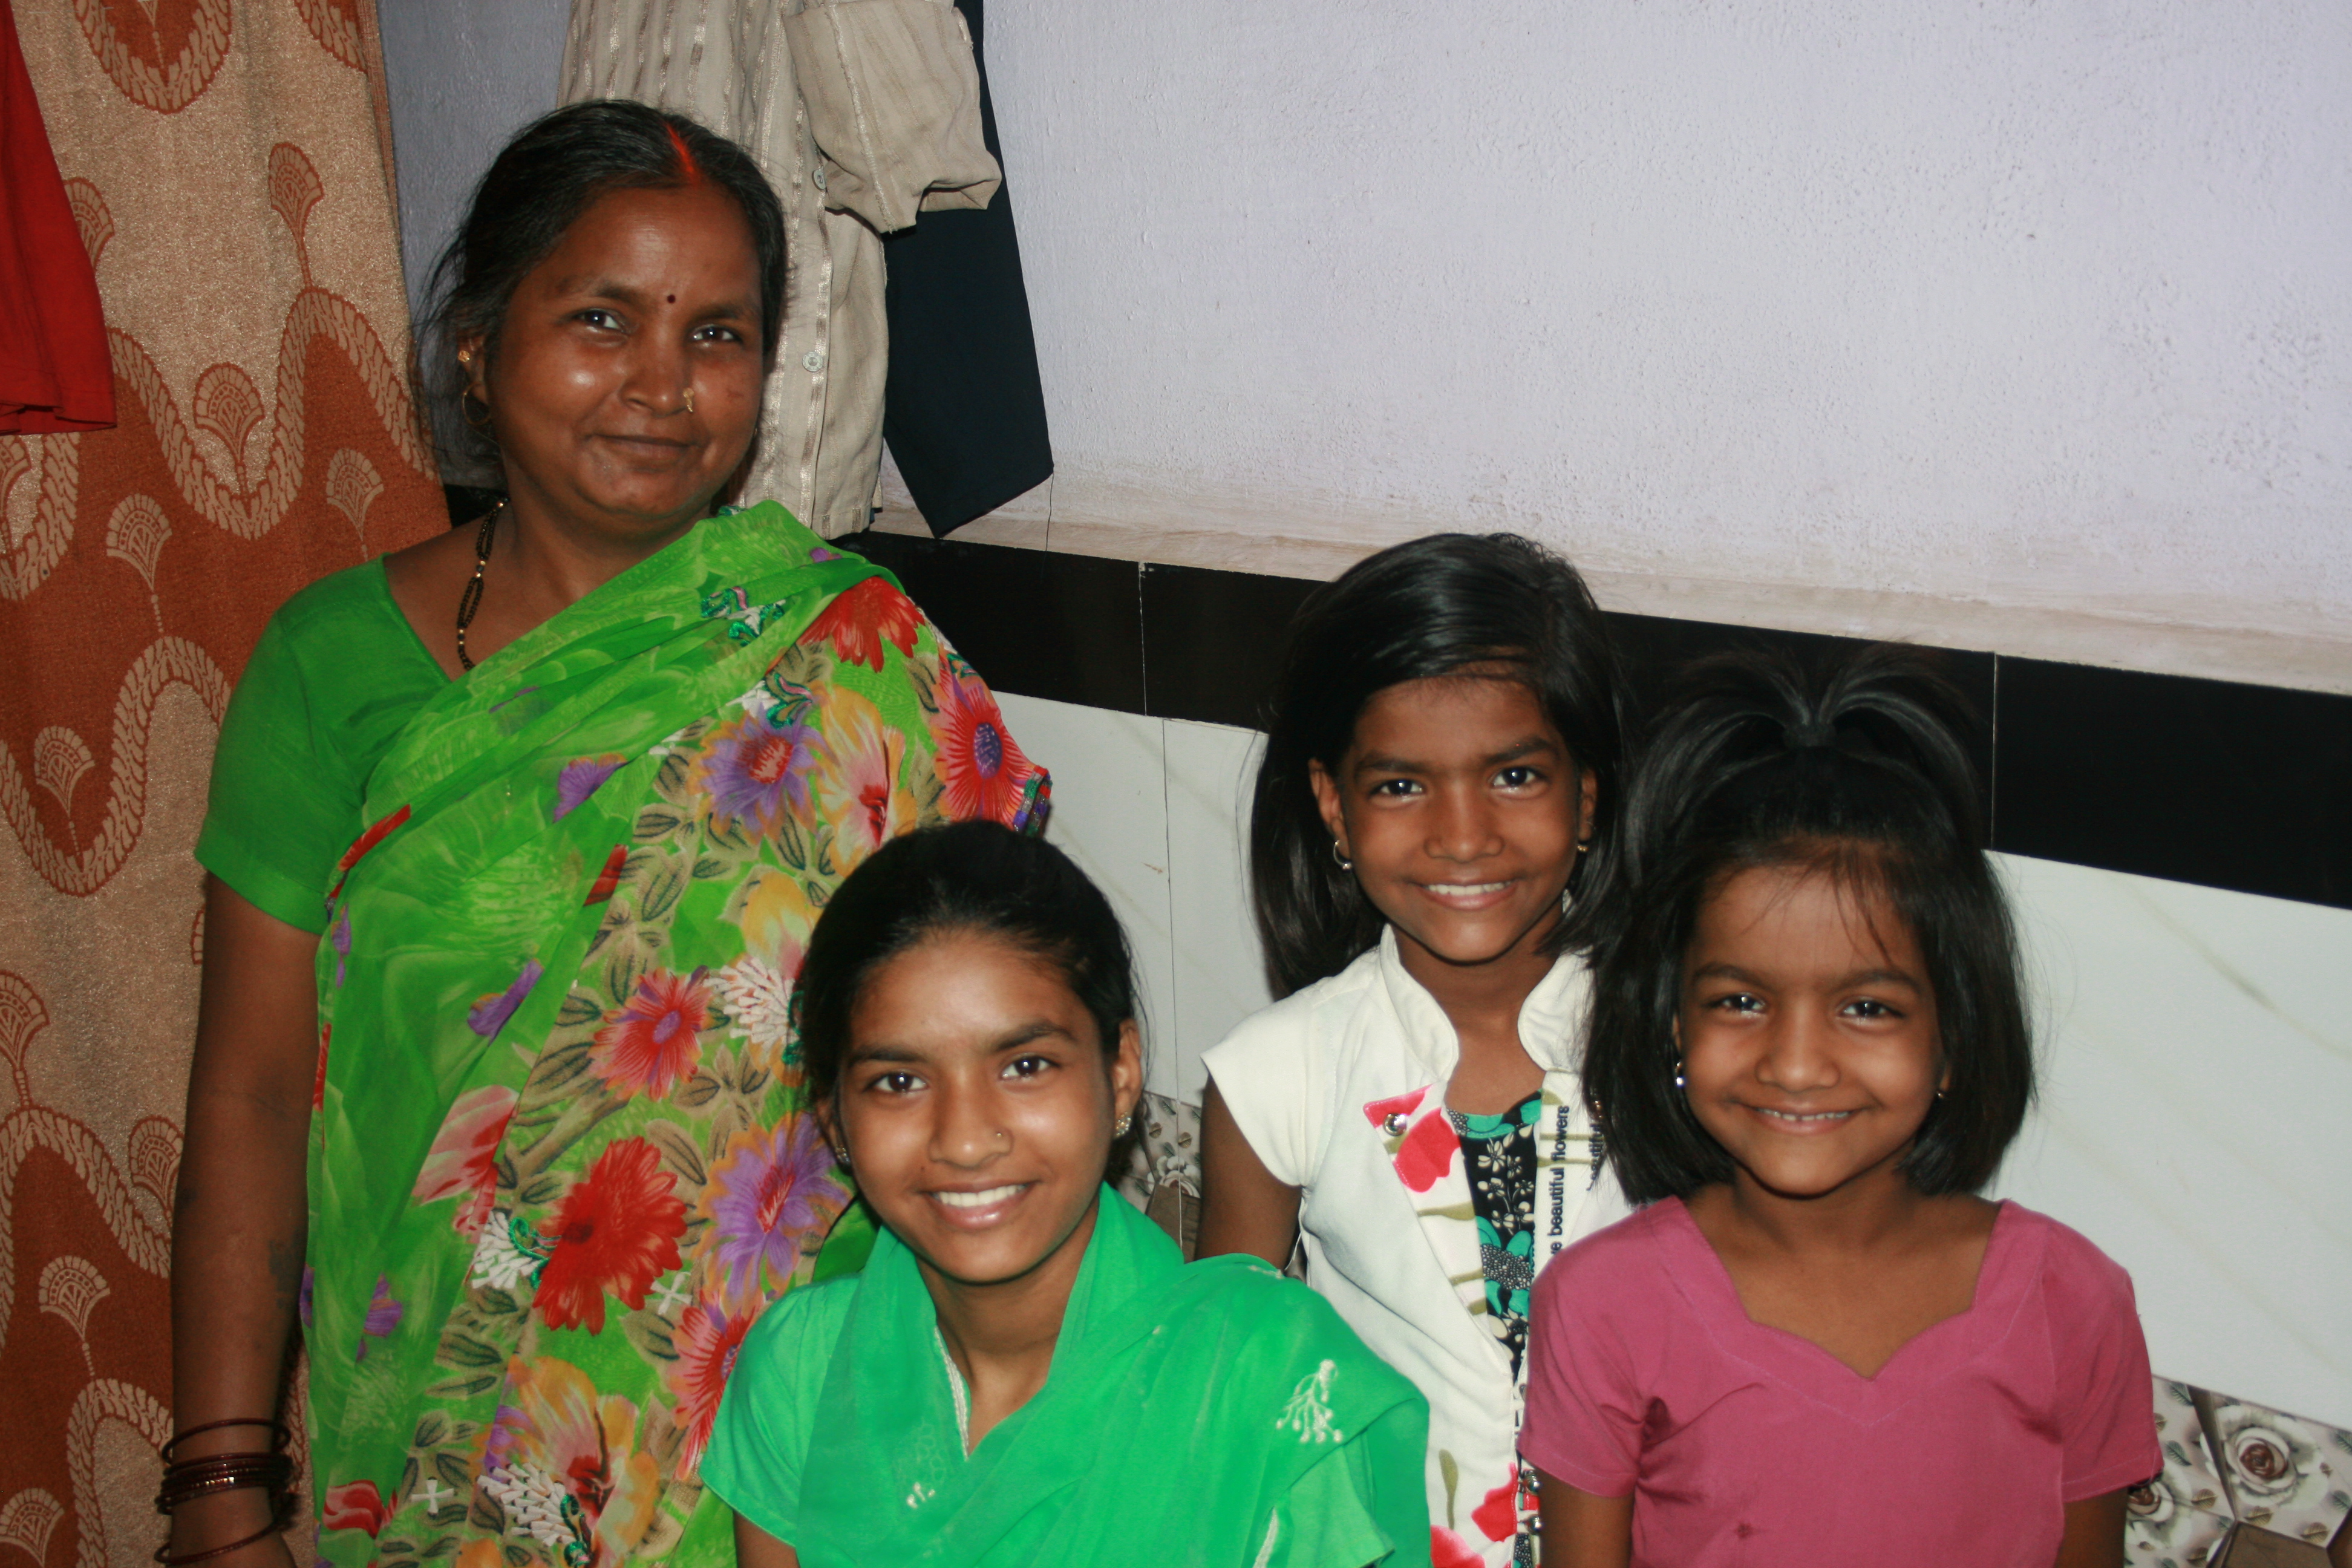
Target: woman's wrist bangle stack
x,y
185,1480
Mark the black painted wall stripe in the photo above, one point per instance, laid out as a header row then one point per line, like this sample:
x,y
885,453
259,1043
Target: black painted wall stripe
x,y
2227,785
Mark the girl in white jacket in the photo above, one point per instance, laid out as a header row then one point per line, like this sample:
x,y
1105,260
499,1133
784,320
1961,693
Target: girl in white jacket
x,y
1432,850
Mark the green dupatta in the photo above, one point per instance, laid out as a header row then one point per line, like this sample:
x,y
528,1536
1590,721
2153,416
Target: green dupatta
x,y
560,1158
1184,1403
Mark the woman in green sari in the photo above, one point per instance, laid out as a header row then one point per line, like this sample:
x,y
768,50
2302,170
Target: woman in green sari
x,y
523,1141
1027,1375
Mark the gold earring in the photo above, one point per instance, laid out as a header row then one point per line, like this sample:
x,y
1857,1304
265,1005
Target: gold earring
x,y
1118,1128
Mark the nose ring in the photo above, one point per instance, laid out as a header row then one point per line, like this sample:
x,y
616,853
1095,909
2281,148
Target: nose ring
x,y
689,400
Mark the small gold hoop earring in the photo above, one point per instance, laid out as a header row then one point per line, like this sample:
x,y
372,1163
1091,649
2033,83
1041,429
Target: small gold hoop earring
x,y
466,401
1339,859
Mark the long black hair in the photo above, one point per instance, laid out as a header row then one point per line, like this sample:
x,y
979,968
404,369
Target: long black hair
x,y
1856,768
555,170
1445,605
975,877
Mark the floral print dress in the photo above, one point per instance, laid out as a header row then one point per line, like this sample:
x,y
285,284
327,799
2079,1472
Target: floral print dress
x,y
1500,1154
561,1160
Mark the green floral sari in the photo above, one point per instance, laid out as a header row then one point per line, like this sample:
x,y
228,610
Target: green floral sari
x,y
560,1160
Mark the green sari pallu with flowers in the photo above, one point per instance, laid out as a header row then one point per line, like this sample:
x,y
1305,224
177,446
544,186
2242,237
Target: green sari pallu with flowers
x,y
560,1158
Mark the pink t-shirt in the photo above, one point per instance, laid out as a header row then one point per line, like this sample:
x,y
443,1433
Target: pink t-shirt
x,y
1750,1446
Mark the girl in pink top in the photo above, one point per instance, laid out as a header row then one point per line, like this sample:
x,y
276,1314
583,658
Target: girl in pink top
x,y
1817,1345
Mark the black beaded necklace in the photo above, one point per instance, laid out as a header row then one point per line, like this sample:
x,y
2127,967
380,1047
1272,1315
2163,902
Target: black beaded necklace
x,y
472,600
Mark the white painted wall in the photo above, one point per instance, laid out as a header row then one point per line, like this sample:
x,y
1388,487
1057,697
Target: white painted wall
x,y
463,77
2039,304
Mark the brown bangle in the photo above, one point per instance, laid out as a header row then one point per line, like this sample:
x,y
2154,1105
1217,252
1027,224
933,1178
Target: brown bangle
x,y
281,1435
192,1478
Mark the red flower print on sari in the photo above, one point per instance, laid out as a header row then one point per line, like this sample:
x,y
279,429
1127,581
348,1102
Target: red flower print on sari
x,y
653,1043
858,620
984,774
359,850
355,1505
319,1084
610,876
462,1160
1426,1150
707,1340
615,1234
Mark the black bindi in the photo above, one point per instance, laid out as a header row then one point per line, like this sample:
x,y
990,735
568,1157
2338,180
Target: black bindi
x,y
673,298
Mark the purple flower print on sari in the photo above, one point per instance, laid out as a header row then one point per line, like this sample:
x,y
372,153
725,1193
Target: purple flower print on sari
x,y
771,1188
757,768
582,778
489,1014
384,1315
342,938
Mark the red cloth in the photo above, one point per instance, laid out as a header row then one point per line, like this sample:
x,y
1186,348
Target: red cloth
x,y
55,372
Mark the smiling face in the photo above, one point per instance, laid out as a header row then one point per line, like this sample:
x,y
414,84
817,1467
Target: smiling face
x,y
1808,1031
977,1104
625,387
1462,809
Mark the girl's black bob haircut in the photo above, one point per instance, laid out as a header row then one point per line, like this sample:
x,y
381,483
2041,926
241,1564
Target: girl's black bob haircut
x,y
1451,604
552,172
959,876
1855,769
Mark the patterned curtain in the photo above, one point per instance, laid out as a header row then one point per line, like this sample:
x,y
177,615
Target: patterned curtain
x,y
229,166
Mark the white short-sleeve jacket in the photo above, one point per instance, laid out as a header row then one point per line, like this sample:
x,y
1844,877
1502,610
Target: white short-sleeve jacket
x,y
1340,1090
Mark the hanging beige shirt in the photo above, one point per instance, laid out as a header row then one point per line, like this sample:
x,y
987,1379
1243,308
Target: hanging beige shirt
x,y
862,113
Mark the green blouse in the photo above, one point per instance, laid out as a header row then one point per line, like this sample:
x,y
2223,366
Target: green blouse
x,y
337,676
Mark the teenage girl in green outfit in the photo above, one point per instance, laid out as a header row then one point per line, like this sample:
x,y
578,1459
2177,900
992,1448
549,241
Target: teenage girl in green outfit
x,y
1028,1374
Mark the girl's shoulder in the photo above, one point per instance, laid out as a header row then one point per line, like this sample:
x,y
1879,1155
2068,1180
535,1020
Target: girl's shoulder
x,y
2076,1276
1263,1319
1303,1019
800,1329
1630,1279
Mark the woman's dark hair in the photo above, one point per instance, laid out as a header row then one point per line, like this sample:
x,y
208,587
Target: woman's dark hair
x,y
974,877
1855,770
555,170
1451,604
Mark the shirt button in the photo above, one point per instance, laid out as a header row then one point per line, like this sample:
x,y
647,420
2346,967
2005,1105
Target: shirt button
x,y
1395,1124
819,176
813,361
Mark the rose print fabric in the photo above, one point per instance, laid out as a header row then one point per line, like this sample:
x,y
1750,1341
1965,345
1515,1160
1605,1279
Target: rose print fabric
x,y
560,1162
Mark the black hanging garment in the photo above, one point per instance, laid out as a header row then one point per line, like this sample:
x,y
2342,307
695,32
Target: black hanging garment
x,y
962,410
